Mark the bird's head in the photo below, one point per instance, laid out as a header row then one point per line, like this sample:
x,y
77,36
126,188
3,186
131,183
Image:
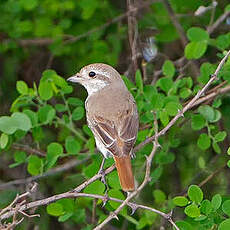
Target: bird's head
x,y
95,77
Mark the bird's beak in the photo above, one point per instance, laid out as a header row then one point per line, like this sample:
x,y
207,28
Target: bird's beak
x,y
75,78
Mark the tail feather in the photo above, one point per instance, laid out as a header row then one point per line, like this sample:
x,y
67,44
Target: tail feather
x,y
124,169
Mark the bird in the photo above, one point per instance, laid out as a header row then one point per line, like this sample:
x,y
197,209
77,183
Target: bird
x,y
112,116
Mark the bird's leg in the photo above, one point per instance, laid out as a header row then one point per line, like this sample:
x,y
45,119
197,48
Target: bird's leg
x,y
102,173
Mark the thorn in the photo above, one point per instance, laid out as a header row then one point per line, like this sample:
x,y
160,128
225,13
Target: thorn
x,y
181,113
114,216
169,215
133,207
105,199
213,76
158,145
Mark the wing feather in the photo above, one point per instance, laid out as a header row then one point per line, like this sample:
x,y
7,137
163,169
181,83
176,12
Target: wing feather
x,y
118,136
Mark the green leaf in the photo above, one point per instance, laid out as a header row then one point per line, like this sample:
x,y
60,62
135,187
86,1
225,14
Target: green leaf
x,y
128,83
228,163
164,118
192,211
72,146
113,180
216,201
226,207
159,196
21,121
22,87
46,114
45,90
220,136
78,113
196,34
168,69
198,122
195,194
164,158
6,197
55,148
165,83
206,70
32,115
217,116
6,125
180,201
20,157
216,147
139,81
157,101
223,41
55,209
206,207
217,103
119,195
185,93
195,50
34,166
172,108
65,217
60,108
225,225
204,141
155,175
4,140
183,225
75,101
96,187
207,112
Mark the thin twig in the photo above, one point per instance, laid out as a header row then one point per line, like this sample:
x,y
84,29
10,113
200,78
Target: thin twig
x,y
176,23
180,31
62,168
76,195
28,149
188,106
212,28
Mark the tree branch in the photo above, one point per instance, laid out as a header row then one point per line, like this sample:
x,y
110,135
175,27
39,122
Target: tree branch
x,y
62,168
188,106
143,184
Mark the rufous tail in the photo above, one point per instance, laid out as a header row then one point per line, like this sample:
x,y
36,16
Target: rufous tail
x,y
124,169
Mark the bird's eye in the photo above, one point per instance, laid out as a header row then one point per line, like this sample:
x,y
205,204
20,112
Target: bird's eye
x,y
92,74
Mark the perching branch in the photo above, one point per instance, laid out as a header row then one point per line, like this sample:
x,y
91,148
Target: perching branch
x,y
146,180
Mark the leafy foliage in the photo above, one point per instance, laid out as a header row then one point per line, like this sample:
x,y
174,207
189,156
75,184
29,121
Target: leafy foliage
x,y
46,127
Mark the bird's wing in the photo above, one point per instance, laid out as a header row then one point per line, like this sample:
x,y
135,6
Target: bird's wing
x,y
117,137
